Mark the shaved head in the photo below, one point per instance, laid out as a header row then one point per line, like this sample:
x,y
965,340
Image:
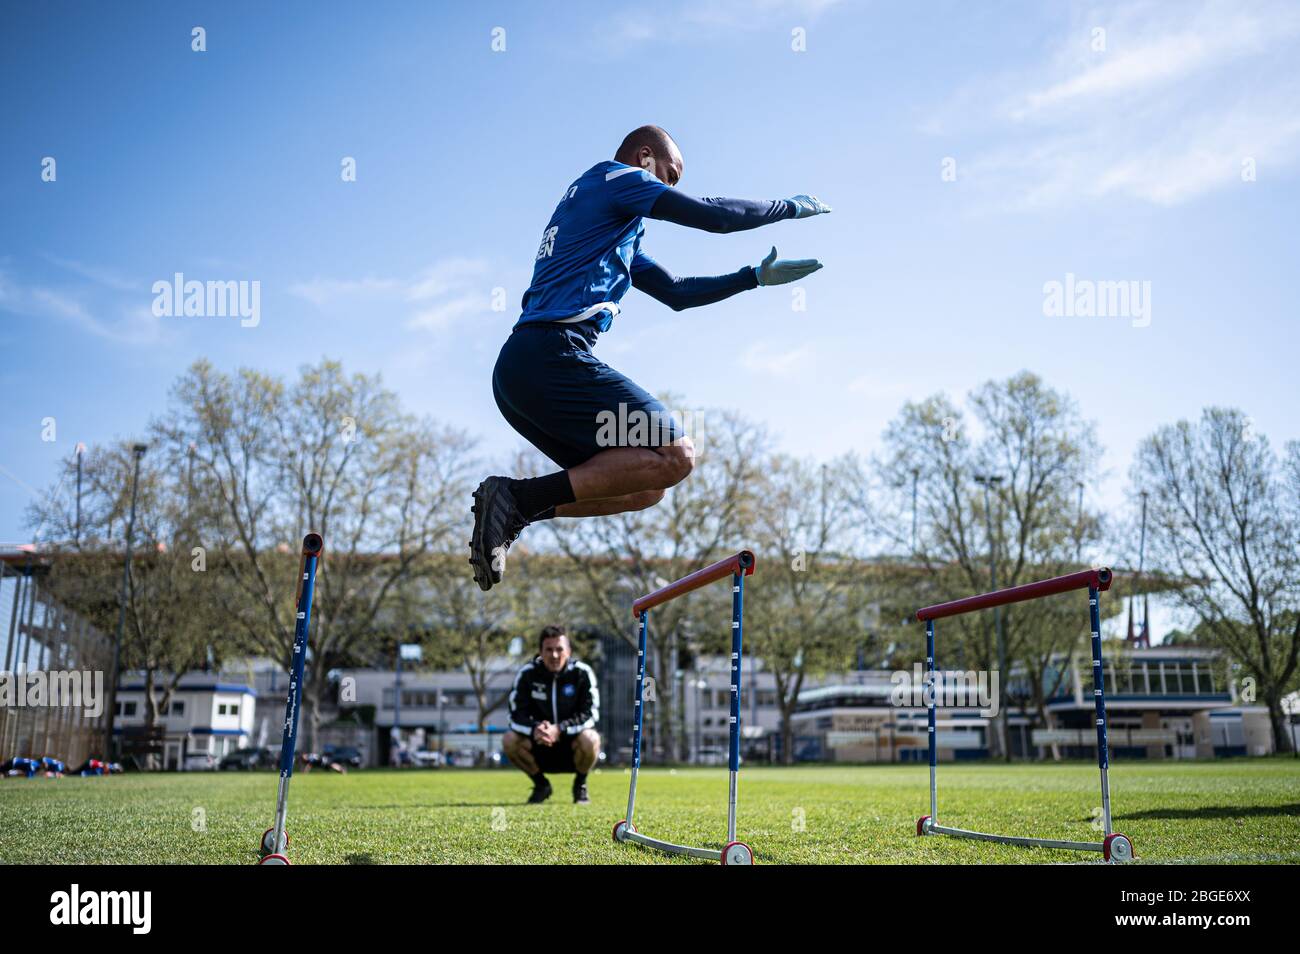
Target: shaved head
x,y
651,148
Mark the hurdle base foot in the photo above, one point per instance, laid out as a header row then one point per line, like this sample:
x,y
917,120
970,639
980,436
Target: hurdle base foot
x,y
1024,842
636,838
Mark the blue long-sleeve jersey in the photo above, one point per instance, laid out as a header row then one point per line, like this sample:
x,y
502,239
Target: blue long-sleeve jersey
x,y
590,253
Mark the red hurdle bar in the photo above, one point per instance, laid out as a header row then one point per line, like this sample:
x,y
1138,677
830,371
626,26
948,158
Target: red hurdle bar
x,y
1098,577
738,564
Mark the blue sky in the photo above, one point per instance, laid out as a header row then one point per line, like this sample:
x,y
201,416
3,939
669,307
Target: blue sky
x,y
1113,156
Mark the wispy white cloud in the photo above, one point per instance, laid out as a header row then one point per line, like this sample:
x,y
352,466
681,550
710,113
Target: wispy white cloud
x,y
101,275
105,316
432,299
691,19
1179,97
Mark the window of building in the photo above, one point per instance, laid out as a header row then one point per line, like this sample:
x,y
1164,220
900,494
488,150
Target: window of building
x,y
177,707
127,709
417,699
1205,678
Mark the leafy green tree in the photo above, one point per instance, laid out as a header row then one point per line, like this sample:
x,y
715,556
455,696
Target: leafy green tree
x,y
1224,515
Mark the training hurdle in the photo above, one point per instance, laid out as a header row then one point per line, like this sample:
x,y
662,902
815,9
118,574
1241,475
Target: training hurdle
x,y
275,840
1114,846
737,567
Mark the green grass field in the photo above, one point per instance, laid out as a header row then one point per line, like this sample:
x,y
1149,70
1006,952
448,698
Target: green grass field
x,y
1241,811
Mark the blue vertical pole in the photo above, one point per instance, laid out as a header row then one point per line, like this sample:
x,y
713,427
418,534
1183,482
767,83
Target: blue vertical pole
x,y
737,652
312,545
1099,700
638,713
931,702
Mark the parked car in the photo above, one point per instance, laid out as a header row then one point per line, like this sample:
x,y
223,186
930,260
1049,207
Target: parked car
x,y
246,759
200,762
711,756
343,754
426,758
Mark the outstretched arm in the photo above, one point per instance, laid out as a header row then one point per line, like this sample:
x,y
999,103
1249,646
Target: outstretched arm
x,y
730,215
678,293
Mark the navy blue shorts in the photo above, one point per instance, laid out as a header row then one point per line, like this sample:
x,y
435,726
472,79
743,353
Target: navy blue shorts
x,y
569,405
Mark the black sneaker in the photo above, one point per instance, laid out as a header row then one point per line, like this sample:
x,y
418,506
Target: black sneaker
x,y
497,524
580,796
541,792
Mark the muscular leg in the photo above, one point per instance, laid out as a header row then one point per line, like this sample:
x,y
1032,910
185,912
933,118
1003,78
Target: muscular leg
x,y
519,750
610,505
586,750
627,478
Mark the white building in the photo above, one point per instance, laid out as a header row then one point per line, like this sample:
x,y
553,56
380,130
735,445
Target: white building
x,y
209,715
1161,702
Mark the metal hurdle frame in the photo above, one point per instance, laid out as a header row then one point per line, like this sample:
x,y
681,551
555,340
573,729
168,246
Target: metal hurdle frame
x,y
275,840
1114,846
737,567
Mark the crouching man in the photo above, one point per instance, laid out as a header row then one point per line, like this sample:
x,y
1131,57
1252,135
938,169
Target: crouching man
x,y
554,706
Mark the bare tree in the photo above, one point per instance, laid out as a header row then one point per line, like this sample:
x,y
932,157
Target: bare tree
x,y
171,626
699,521
333,453
473,631
810,613
1226,518
1034,440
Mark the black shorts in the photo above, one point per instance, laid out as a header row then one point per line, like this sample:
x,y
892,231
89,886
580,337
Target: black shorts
x,y
570,405
556,758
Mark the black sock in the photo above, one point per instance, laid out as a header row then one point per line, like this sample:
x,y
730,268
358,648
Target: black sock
x,y
536,495
539,779
579,778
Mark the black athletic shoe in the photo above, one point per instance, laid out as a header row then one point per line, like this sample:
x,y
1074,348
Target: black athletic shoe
x,y
580,796
541,792
497,524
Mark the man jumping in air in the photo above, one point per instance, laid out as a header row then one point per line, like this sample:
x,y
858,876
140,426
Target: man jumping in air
x,y
549,385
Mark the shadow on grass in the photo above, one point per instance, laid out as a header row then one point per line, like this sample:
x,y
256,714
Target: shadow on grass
x,y
359,859
1214,811
429,806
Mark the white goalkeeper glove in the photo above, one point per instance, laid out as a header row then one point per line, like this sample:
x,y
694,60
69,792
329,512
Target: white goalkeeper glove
x,y
773,271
